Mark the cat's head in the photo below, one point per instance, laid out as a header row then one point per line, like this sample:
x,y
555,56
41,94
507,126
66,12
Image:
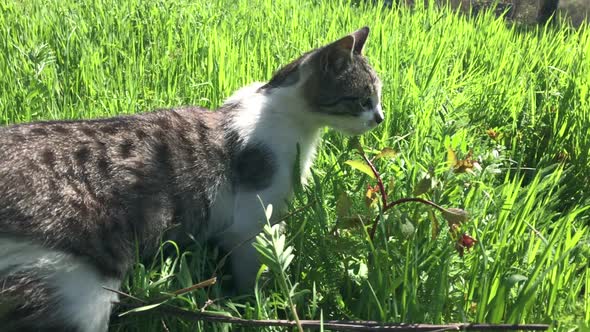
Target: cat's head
x,y
339,87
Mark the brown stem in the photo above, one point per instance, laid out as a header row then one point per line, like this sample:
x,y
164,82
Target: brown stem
x,y
412,199
202,284
337,325
381,189
379,180
398,202
387,206
374,228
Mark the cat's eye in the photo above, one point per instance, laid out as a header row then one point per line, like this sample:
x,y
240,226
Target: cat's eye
x,y
338,101
367,103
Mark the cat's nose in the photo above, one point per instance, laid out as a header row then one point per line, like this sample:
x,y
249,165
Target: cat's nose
x,y
379,115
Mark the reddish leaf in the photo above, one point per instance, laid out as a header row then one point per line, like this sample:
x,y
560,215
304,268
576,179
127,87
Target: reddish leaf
x,y
493,134
467,241
372,195
464,242
460,165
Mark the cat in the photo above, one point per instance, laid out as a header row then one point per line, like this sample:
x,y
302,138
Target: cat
x,y
78,198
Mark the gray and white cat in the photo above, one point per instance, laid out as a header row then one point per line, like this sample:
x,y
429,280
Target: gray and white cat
x,y
77,197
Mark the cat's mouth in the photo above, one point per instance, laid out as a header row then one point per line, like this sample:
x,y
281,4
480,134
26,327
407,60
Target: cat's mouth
x,y
361,124
378,115
371,119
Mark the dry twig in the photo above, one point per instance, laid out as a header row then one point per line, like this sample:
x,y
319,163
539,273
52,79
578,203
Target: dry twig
x,y
339,325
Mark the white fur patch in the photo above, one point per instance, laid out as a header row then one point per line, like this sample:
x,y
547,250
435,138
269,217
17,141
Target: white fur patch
x,y
83,302
352,125
280,119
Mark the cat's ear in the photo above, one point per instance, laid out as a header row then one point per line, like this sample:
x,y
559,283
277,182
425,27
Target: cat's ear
x,y
339,54
345,44
353,43
360,38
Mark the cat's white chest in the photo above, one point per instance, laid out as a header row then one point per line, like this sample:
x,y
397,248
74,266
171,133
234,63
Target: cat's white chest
x,y
237,212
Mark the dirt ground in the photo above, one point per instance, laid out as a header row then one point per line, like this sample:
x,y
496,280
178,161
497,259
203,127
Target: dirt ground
x,y
574,10
526,11
577,10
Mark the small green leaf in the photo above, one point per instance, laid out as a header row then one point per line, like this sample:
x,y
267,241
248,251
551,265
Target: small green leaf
x,y
287,261
297,186
407,228
435,224
513,279
388,153
423,186
360,166
268,211
451,157
143,308
343,205
288,251
350,222
354,143
279,245
455,216
184,276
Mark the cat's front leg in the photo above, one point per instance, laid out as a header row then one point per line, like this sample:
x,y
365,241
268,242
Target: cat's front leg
x,y
244,267
248,220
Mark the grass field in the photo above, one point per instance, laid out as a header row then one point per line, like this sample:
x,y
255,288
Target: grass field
x,y
518,97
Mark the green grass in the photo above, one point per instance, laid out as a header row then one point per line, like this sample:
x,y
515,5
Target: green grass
x,y
447,79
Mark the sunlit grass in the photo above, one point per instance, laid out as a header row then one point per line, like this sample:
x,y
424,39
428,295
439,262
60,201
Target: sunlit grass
x,y
448,80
